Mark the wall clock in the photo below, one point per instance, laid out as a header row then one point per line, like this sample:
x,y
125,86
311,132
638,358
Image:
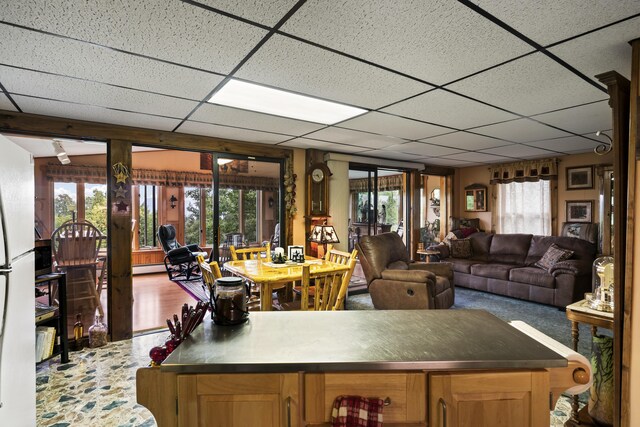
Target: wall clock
x,y
318,190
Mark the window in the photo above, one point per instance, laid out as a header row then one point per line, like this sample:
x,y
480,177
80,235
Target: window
x,y
95,205
192,215
148,215
249,211
524,207
65,205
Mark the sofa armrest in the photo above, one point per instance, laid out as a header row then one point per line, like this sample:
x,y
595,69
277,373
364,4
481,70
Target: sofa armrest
x,y
444,269
571,266
418,276
401,295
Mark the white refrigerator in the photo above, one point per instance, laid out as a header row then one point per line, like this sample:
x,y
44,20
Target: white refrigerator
x,y
17,305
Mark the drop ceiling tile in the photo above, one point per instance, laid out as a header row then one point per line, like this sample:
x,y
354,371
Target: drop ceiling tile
x,y
572,144
394,155
37,51
479,157
263,12
466,141
352,137
522,130
390,125
166,29
307,143
5,104
93,114
422,149
547,21
227,132
530,85
446,162
581,120
448,109
97,94
604,50
518,151
227,116
437,41
317,72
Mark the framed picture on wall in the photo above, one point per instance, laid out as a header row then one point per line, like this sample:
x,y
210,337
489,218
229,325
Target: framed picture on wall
x,y
475,198
580,211
580,178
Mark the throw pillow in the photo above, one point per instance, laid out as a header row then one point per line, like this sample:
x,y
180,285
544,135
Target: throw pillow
x,y
468,231
552,256
448,238
461,248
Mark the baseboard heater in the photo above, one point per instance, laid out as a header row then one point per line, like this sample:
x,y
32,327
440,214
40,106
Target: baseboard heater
x,y
147,269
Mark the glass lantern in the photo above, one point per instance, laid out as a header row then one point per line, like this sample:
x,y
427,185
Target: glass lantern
x,y
601,297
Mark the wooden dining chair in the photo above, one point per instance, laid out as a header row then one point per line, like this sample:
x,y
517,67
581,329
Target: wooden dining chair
x,y
75,246
345,258
210,272
260,252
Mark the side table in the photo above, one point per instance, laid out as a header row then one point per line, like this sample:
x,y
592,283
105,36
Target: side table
x,y
580,312
426,253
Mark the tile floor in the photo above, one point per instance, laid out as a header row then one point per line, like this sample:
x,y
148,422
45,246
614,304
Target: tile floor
x,y
97,387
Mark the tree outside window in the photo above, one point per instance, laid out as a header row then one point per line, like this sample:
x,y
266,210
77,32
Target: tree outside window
x,y
65,202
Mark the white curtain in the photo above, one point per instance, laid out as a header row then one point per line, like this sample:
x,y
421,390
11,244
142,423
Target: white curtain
x,y
524,207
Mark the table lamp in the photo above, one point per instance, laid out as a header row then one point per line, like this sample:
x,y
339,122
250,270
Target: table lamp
x,y
323,234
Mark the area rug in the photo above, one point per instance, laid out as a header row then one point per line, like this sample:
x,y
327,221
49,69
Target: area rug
x,y
549,320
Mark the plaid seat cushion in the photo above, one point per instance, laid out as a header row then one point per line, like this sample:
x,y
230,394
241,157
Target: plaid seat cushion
x,y
356,411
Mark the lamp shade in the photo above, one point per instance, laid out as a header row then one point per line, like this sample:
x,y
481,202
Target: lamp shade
x,y
323,234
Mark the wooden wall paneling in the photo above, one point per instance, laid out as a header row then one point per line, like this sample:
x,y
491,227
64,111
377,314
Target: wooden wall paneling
x,y
34,124
624,165
120,286
414,181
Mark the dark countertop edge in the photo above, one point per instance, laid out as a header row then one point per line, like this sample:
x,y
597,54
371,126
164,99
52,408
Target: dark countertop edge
x,y
384,366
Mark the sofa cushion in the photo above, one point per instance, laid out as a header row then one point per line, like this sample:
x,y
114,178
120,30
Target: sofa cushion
x,y
461,248
480,245
552,256
462,265
510,248
532,276
492,270
582,249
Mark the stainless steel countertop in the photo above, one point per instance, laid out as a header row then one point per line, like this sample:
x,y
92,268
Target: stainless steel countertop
x,y
360,341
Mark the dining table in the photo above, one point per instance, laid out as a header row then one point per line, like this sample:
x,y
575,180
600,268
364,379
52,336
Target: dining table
x,y
268,276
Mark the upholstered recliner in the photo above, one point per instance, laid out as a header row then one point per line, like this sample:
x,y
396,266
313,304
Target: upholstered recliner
x,y
180,261
396,282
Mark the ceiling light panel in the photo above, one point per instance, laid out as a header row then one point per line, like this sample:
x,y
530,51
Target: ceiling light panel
x,y
548,21
169,30
226,132
352,137
390,125
582,119
227,116
263,12
459,42
522,130
317,72
613,52
306,143
466,141
533,84
5,104
81,91
82,60
448,109
422,149
250,96
93,114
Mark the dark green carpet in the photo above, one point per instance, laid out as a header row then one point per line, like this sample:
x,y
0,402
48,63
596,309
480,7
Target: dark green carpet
x,y
549,320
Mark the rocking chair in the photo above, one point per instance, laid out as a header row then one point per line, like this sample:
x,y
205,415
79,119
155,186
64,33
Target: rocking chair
x,y
180,261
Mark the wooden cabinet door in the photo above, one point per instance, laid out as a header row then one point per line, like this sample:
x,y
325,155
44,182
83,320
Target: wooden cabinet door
x,y
489,399
238,400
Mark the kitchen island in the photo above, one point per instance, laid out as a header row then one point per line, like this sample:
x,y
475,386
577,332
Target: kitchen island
x,y
286,369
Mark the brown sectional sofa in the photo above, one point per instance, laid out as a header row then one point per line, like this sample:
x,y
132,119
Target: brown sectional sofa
x,y
504,264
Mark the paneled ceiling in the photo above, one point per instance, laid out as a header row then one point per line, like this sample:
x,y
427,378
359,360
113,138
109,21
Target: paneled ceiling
x,y
444,82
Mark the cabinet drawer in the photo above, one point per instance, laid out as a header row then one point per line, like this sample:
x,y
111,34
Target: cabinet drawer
x,y
406,393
